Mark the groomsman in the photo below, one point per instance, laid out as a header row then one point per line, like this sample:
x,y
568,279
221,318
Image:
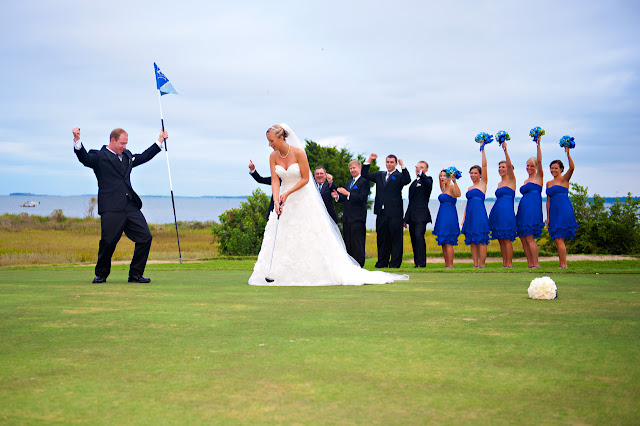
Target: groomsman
x,y
388,208
418,215
325,189
354,217
263,180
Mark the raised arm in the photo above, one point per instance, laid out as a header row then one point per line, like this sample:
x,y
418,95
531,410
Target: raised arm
x,y
540,173
456,188
365,168
507,158
572,167
256,176
82,154
485,174
406,176
510,171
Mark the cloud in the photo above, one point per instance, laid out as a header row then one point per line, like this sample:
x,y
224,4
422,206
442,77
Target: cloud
x,y
419,79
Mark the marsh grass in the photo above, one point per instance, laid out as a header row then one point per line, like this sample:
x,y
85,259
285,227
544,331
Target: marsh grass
x,y
36,240
200,345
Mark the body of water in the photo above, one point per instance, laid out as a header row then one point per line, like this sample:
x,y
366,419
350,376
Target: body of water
x,y
158,209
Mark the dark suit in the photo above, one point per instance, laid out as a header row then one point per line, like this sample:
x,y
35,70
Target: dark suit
x,y
325,192
119,205
389,210
418,215
265,181
354,218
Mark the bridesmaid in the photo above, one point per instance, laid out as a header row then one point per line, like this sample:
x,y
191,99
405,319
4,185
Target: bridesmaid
x,y
446,228
475,226
502,219
561,219
529,221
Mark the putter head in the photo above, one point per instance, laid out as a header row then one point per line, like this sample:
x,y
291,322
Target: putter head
x,y
269,280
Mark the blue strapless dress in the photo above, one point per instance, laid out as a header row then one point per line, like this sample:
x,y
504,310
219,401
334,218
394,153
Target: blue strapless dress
x,y
502,219
562,219
476,223
529,218
447,228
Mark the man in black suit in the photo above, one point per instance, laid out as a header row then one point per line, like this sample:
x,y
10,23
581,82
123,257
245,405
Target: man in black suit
x,y
388,208
354,217
418,215
326,189
263,180
118,204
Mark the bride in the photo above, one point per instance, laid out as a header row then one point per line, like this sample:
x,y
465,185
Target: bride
x,y
302,245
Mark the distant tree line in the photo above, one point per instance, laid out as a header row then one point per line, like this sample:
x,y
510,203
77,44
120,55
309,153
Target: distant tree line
x,y
603,230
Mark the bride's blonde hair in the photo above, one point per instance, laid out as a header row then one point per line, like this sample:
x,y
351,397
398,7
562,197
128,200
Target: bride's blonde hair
x,y
278,131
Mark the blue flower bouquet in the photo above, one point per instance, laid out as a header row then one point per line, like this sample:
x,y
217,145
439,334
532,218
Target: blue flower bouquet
x,y
567,141
535,132
502,136
452,171
484,138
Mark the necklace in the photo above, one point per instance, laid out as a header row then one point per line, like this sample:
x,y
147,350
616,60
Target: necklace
x,y
281,156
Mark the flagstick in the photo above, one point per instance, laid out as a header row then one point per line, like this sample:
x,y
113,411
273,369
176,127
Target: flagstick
x,y
170,183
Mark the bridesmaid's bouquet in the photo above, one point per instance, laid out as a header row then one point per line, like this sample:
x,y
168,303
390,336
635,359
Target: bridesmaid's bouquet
x,y
535,132
484,138
502,136
452,171
567,141
543,289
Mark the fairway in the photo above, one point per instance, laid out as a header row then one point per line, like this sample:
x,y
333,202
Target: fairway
x,y
200,345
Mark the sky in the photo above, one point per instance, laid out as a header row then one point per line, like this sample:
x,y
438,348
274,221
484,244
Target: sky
x,y
418,79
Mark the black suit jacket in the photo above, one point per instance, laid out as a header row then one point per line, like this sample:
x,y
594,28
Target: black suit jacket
x,y
114,183
355,208
265,181
418,209
325,193
388,193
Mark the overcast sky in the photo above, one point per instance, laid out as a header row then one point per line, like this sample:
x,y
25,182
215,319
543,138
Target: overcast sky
x,y
418,79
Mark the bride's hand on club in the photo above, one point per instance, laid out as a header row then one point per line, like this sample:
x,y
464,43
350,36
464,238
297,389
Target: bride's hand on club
x,y
283,199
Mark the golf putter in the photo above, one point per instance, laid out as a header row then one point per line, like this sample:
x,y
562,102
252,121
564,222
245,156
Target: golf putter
x,y
268,278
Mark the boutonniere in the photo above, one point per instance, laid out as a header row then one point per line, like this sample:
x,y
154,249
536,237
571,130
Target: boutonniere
x,y
393,177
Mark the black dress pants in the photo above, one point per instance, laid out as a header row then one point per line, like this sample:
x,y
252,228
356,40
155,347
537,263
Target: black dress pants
x,y
389,239
355,235
134,225
417,231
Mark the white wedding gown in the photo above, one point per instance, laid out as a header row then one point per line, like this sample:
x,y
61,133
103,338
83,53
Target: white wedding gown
x,y
308,250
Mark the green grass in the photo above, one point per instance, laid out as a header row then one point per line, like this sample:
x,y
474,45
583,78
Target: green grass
x,y
200,345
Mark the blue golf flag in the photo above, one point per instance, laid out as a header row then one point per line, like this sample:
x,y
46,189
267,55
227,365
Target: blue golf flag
x,y
164,86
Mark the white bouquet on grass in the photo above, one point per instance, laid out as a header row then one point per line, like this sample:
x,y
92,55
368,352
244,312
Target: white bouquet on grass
x,y
543,289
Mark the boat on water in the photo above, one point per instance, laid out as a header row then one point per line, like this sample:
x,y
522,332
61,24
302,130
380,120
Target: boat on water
x,y
30,204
